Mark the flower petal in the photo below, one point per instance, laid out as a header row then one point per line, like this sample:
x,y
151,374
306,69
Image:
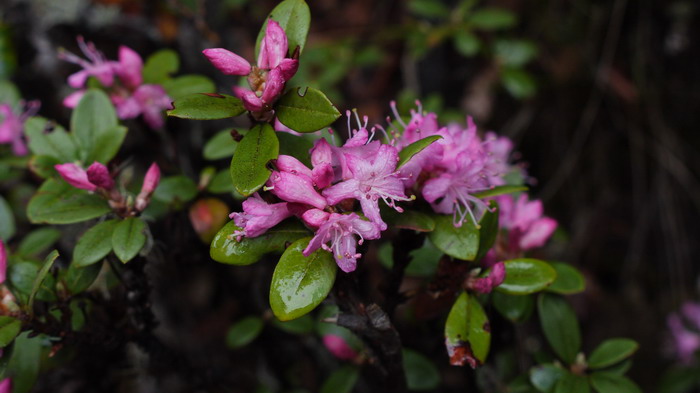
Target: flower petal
x,y
227,62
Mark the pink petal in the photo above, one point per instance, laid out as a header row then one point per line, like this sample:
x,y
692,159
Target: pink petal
x,y
273,47
151,179
273,86
295,188
322,175
287,163
3,262
98,174
344,190
538,233
227,62
129,67
6,386
75,176
77,80
315,217
337,346
251,101
73,99
127,107
288,68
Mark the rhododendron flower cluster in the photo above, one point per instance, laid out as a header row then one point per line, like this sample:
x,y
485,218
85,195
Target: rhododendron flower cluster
x,y
124,78
685,332
268,78
12,126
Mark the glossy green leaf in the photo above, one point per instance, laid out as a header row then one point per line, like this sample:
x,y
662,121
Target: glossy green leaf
x,y
429,8
9,329
226,249
421,373
107,144
613,383
525,276
160,66
294,17
414,148
21,276
342,380
43,166
307,111
560,326
7,220
512,307
94,244
545,377
57,202
94,125
244,332
492,19
569,280
221,184
515,53
25,363
188,84
571,383
612,351
301,325
621,368
295,146
499,190
46,138
457,242
300,283
220,146
174,189
40,276
466,43
207,106
78,279
38,241
249,170
488,230
519,83
467,332
409,219
128,238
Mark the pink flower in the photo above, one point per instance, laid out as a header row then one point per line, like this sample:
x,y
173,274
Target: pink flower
x,y
147,100
340,231
293,182
337,346
3,262
129,68
524,220
268,78
488,283
150,183
79,177
12,126
98,175
685,332
96,65
258,216
6,386
372,179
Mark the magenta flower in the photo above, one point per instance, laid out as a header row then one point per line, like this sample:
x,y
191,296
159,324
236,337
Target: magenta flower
x,y
488,283
337,346
524,220
150,183
12,126
685,332
268,78
96,65
97,176
6,386
372,178
293,182
3,262
147,100
258,216
340,231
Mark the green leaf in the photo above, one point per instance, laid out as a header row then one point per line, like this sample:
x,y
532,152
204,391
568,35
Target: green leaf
x,y
221,184
569,280
249,170
613,383
467,332
544,377
515,53
128,238
294,17
306,112
25,362
38,241
421,373
160,66
175,189
95,244
302,325
244,332
499,190
9,329
560,326
409,219
466,43
488,231
21,276
300,283
295,146
571,383
512,307
342,380
206,106
492,19
78,279
43,166
188,84
525,276
57,202
457,242
414,148
107,144
220,146
93,124
49,139
226,249
7,220
40,276
429,9
612,351
519,83
679,380
8,91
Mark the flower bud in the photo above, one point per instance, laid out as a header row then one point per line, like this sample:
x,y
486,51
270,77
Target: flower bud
x,y
75,176
98,174
150,182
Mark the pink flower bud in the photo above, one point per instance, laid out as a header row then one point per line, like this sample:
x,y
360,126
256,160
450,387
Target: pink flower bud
x,y
150,182
273,86
3,262
288,67
295,188
227,62
337,346
251,102
6,386
75,176
98,175
273,47
494,279
315,217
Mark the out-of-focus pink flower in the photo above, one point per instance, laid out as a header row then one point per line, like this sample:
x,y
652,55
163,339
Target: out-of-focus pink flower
x,y
75,176
129,68
96,65
488,283
340,231
258,216
293,182
98,174
268,78
685,332
12,126
150,183
524,220
337,346
6,385
3,262
147,100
